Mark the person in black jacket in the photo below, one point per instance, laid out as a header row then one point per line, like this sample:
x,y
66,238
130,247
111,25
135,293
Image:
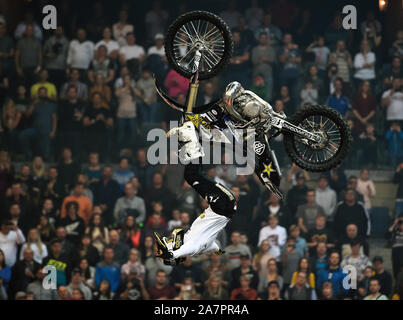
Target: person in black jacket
x,y
244,269
297,195
73,224
383,276
398,178
23,273
87,251
348,212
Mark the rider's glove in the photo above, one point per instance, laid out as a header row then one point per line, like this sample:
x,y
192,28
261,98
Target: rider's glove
x,y
190,147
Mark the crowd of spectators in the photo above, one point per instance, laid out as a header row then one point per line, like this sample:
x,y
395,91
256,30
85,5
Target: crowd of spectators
x,y
75,107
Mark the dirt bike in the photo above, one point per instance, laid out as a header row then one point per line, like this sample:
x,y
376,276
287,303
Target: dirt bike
x,y
198,45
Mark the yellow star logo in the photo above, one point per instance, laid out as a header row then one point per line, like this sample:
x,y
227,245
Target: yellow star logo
x,y
268,169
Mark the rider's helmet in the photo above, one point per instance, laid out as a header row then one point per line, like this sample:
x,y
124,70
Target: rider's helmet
x,y
232,91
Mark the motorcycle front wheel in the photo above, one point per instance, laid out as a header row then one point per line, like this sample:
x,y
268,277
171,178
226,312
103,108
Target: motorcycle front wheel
x,y
203,31
329,124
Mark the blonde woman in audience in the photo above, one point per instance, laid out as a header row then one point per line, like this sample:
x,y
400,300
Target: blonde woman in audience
x,y
366,187
34,243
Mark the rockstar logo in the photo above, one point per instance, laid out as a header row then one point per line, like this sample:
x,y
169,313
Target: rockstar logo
x,y
268,169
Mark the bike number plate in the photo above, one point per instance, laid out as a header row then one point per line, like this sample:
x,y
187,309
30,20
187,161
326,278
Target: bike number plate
x,y
277,123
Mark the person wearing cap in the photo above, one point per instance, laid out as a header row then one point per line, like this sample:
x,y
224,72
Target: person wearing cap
x,y
383,276
326,197
356,259
244,269
77,283
307,213
158,48
10,238
297,194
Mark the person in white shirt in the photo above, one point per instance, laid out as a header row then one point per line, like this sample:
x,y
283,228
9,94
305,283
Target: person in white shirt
x,y
158,48
81,51
122,28
29,19
364,64
275,234
325,196
132,55
112,45
321,53
35,243
366,187
10,237
392,100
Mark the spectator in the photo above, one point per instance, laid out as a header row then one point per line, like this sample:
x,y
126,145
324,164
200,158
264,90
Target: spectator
x,y
93,171
309,95
356,259
133,265
100,86
122,28
300,243
87,251
334,273
301,290
108,269
45,229
307,213
364,106
244,292
132,55
74,224
338,101
112,46
63,293
37,289
364,63
398,178
77,283
5,273
68,169
186,270
296,196
28,56
351,234
325,197
254,15
130,202
81,87
245,269
384,277
146,91
44,83
29,20
320,259
327,292
98,123
273,291
23,273
84,204
290,60
289,259
103,292
343,61
261,258
322,54
120,249
55,52
263,57
320,233
159,192
374,291
239,62
394,136
99,234
161,290
10,237
392,101
337,179
130,232
275,234
318,83
101,64
366,187
34,243
214,289
7,50
10,123
155,20
303,265
397,46
44,123
81,52
87,273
